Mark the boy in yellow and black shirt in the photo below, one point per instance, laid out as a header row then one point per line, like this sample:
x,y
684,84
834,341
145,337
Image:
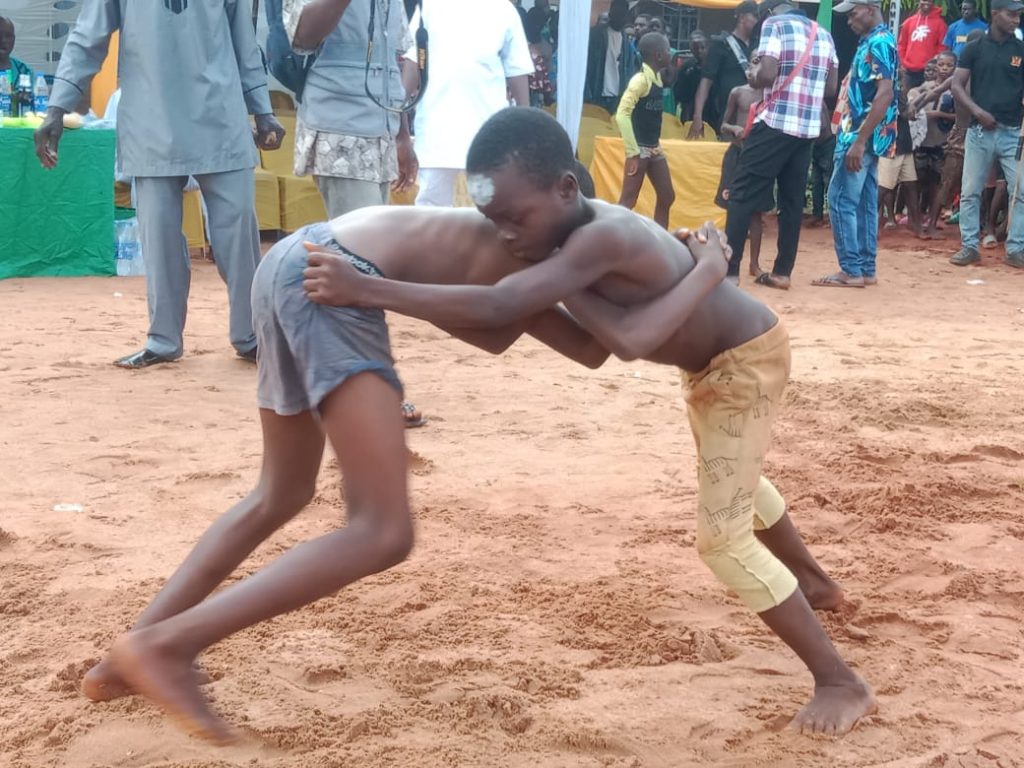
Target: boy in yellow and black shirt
x,y
639,119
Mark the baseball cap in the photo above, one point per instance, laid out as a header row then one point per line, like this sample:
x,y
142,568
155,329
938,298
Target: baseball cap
x,y
747,6
1007,5
849,5
770,5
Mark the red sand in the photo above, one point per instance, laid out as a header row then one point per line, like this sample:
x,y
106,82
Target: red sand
x,y
554,612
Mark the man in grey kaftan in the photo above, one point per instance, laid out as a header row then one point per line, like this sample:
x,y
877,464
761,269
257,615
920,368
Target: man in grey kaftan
x,y
190,72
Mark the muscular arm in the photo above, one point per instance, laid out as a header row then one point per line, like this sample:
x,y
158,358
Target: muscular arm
x,y
636,332
553,327
584,260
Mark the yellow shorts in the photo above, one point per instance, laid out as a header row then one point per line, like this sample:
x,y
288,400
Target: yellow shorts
x,y
731,405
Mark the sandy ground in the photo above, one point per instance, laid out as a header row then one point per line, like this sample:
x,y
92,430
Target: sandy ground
x,y
554,612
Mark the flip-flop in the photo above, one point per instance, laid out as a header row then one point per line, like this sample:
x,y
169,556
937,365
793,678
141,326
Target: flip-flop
x,y
413,418
838,280
989,242
766,278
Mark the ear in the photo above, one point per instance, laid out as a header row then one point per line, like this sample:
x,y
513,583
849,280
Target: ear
x,y
568,187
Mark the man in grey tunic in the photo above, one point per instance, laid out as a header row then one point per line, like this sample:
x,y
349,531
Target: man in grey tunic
x,y
189,71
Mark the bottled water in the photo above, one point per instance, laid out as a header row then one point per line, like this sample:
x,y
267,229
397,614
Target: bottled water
x,y
24,95
126,248
41,95
5,95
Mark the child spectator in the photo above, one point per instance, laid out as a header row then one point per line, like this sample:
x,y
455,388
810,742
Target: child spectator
x,y
742,99
900,170
930,153
639,119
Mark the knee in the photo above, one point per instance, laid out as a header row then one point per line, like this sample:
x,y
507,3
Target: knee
x,y
393,543
272,507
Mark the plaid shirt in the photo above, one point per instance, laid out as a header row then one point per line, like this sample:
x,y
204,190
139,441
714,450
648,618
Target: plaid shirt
x,y
797,109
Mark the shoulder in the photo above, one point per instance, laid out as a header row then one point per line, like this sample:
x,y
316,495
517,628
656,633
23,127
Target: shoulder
x,y
608,236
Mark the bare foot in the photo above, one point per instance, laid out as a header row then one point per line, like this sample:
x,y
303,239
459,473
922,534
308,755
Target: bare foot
x,y
835,709
823,594
102,683
755,270
169,681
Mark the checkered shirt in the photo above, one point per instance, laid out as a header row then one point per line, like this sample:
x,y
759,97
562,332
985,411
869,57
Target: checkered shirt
x,y
797,109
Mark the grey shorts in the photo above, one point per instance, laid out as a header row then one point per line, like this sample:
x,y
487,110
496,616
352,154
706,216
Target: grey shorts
x,y
307,350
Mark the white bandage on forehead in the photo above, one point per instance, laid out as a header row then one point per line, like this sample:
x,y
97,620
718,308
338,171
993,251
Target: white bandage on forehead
x,y
480,188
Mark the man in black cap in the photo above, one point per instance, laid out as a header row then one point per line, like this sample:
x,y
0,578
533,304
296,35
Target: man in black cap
x,y
724,69
994,65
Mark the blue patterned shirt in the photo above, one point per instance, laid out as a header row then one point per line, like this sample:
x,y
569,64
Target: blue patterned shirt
x,y
874,60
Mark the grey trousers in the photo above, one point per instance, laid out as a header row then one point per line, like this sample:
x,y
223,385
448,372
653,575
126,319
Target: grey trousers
x,y
342,196
230,200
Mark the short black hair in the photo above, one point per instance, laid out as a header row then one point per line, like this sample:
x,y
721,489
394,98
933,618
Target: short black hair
x,y
586,181
529,137
651,43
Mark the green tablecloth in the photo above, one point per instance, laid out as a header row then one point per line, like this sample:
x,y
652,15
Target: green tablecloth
x,y
58,222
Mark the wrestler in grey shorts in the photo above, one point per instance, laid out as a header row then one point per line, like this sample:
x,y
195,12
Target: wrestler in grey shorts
x,y
307,350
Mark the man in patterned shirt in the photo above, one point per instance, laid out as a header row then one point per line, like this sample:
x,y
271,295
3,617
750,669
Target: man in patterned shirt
x,y
867,131
353,148
786,123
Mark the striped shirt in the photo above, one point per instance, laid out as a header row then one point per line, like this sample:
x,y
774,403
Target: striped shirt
x,y
796,110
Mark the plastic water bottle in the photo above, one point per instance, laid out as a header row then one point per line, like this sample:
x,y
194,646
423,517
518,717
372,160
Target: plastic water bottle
x,y
5,95
23,95
41,95
126,248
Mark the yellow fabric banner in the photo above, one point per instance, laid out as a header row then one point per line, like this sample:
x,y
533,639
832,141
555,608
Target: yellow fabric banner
x,y
696,168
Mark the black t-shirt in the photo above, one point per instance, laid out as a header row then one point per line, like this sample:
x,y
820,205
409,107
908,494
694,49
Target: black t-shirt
x,y
725,72
685,91
997,76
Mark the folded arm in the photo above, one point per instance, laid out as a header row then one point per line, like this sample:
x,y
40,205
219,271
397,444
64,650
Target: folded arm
x,y
635,332
555,328
585,259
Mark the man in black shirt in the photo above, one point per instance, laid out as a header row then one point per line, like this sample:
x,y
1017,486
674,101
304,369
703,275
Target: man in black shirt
x,y
688,81
724,69
994,65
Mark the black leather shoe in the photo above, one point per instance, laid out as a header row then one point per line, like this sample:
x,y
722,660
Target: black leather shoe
x,y
142,359
249,356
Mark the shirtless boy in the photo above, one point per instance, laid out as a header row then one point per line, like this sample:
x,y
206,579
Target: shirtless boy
x,y
622,277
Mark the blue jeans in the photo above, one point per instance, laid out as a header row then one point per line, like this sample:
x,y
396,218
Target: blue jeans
x,y
981,149
853,209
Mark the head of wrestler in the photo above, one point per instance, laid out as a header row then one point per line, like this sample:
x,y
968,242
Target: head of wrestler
x,y
521,174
